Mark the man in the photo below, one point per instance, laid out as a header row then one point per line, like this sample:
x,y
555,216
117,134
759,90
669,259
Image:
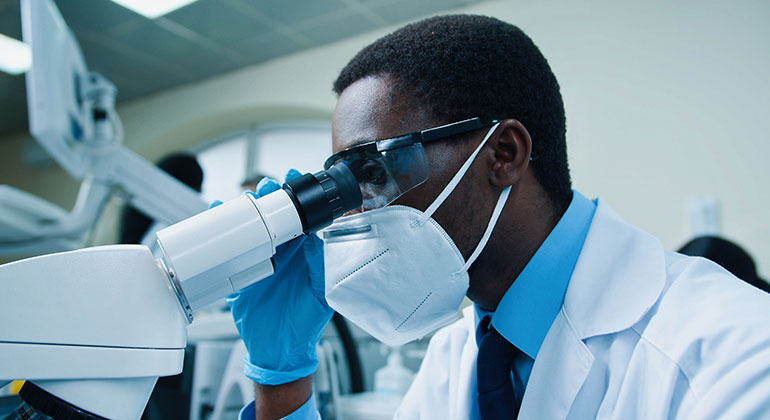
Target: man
x,y
576,314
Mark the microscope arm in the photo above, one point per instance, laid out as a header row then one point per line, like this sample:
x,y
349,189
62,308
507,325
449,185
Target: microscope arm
x,y
31,225
149,189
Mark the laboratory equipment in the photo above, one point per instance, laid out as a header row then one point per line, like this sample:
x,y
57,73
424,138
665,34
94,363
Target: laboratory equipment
x,y
232,390
72,115
394,377
390,384
94,328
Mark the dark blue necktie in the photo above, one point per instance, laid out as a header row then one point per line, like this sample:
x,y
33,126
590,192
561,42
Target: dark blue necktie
x,y
496,396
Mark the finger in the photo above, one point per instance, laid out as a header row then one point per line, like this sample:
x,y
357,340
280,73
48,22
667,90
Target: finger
x,y
292,174
266,186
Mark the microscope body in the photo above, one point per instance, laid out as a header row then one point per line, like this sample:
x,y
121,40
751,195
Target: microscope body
x,y
97,326
93,329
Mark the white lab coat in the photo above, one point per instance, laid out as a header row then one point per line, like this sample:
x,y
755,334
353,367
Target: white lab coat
x,y
643,333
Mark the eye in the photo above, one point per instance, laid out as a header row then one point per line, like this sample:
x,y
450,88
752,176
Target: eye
x,y
374,172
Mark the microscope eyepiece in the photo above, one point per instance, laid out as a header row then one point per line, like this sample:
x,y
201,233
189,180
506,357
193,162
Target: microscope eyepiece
x,y
324,196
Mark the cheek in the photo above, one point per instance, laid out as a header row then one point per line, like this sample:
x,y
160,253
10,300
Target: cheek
x,y
462,216
465,213
418,198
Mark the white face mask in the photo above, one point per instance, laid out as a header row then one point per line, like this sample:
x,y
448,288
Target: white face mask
x,y
395,272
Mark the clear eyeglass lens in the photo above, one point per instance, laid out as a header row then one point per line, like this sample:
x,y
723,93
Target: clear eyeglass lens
x,y
385,176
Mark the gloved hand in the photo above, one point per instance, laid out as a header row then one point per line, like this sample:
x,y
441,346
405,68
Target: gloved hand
x,y
281,318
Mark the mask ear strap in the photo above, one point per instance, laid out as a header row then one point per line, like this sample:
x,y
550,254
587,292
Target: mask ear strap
x,y
490,227
455,180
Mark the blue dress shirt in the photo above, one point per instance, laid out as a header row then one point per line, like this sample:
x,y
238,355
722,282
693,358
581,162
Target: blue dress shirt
x,y
527,310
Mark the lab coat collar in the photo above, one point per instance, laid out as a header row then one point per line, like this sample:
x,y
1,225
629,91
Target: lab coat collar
x,y
618,277
527,310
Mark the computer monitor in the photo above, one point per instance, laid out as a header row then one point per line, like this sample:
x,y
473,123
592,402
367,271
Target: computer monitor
x,y
58,118
72,115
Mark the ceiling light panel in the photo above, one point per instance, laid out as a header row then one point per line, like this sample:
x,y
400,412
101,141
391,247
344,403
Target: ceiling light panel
x,y
153,8
15,56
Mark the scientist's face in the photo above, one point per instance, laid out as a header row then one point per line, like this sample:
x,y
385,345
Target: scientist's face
x,y
370,109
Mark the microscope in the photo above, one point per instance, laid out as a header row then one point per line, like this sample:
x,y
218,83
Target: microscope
x,y
93,329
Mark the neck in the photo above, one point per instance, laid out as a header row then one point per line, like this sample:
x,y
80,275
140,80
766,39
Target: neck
x,y
521,230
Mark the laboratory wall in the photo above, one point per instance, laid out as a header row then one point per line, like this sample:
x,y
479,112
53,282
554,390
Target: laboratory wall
x,y
665,101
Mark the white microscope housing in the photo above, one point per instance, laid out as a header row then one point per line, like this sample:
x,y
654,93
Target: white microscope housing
x,y
94,328
213,254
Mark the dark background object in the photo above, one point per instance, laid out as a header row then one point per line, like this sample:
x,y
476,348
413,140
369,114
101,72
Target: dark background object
x,y
181,166
351,353
170,399
729,255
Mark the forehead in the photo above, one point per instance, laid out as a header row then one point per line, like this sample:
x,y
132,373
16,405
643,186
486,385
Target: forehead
x,y
370,109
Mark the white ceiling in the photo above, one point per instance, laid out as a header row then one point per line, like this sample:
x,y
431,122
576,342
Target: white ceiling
x,y
208,37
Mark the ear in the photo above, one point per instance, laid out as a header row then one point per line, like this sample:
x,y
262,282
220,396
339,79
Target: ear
x,y
510,148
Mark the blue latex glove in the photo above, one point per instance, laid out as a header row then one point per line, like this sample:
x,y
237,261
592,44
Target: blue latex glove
x,y
281,318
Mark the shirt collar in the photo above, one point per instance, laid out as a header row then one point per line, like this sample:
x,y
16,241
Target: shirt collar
x,y
527,310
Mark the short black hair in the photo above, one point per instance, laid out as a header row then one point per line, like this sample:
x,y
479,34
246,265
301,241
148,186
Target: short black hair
x,y
465,66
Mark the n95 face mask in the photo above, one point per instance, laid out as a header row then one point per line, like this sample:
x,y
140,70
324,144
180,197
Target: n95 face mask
x,y
395,272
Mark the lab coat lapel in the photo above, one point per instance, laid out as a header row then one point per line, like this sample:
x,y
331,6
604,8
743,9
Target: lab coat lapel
x,y
466,384
560,369
618,277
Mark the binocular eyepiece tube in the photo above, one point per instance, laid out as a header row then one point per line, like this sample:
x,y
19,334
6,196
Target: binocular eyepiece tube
x,y
229,247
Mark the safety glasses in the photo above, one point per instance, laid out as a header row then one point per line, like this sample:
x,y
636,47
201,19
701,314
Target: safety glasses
x,y
385,169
